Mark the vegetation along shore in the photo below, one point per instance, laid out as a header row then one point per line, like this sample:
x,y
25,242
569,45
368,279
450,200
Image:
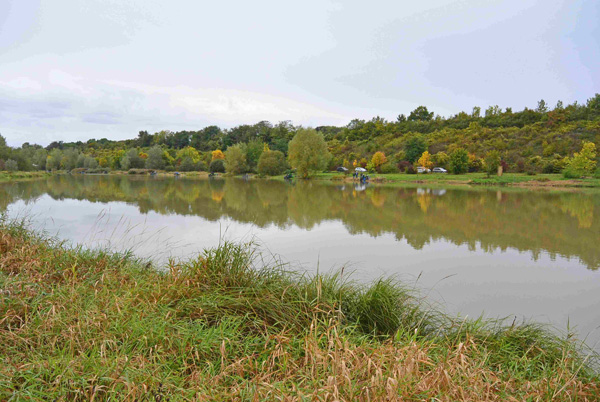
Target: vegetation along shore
x,y
79,324
558,141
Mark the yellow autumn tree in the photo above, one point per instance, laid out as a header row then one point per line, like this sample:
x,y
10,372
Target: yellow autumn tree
x,y
217,154
425,160
378,160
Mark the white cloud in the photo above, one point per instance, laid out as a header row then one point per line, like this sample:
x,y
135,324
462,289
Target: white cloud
x,y
72,70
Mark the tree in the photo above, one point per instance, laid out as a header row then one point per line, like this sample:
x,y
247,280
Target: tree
x,y
441,159
217,154
235,159
542,107
144,139
425,160
378,160
188,152
132,160
187,164
253,151
415,146
420,114
4,149
155,158
492,162
583,162
271,163
90,162
308,152
11,165
217,165
459,161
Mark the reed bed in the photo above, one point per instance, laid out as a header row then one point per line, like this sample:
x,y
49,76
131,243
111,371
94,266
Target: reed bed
x,y
78,324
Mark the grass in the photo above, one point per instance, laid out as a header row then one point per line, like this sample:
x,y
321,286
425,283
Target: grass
x,y
21,176
77,324
517,179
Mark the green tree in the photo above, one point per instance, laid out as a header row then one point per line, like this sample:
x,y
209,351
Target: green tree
x,y
155,158
132,160
415,146
187,164
308,152
217,165
441,159
420,114
459,161
271,163
583,162
492,162
53,159
235,159
90,162
253,151
11,165
39,159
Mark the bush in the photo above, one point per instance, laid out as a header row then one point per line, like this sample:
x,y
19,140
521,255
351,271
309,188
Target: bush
x,y
570,173
271,163
404,165
138,171
459,161
201,166
411,170
217,166
387,168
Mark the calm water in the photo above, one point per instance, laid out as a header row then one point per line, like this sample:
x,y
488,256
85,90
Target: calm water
x,y
478,251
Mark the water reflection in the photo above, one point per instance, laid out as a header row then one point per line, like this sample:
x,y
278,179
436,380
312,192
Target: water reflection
x,y
563,224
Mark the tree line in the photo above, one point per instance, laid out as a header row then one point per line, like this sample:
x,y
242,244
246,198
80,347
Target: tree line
x,y
541,139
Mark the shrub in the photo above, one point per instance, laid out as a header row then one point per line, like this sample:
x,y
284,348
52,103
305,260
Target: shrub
x,y
583,162
404,165
459,161
271,163
217,166
388,168
492,162
235,159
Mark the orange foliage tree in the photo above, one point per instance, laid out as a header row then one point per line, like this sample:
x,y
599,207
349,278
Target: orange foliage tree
x,y
217,154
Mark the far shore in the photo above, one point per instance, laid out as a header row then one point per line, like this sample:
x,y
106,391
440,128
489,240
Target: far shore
x,y
521,180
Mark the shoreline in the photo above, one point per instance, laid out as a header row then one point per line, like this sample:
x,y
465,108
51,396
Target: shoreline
x,y
553,182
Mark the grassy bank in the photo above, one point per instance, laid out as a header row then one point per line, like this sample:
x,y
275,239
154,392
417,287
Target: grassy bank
x,y
80,325
21,176
513,179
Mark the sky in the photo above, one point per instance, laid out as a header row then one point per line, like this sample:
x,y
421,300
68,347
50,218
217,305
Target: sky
x,y
73,70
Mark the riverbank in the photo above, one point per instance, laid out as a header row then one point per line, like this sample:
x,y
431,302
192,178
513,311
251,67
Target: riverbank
x,y
508,179
81,324
521,180
21,176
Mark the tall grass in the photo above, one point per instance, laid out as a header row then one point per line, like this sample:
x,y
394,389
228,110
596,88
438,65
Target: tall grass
x,y
79,324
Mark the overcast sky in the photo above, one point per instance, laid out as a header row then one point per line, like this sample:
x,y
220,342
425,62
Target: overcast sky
x,y
73,70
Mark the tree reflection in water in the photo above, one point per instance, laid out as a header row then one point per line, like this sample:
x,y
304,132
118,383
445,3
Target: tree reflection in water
x,y
565,224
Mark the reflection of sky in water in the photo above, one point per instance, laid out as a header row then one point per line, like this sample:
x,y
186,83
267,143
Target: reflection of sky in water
x,y
469,281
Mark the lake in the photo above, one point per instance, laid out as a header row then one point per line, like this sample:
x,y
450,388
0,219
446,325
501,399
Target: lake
x,y
498,252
